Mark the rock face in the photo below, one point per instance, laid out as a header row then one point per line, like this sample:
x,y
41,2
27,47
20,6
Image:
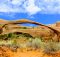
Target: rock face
x,y
2,21
1,30
58,24
55,26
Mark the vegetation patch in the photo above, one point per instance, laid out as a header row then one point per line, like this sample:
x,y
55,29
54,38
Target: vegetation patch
x,y
23,40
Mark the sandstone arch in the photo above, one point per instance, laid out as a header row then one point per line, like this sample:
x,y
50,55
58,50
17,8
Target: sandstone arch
x,y
56,34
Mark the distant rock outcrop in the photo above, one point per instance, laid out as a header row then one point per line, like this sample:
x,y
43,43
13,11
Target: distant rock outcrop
x,y
2,21
56,26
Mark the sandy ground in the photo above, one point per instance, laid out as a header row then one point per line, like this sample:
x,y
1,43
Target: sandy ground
x,y
6,52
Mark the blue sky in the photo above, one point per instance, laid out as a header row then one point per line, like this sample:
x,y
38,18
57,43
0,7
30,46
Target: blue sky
x,y
43,11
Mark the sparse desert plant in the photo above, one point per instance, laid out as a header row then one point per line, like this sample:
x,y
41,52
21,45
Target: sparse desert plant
x,y
36,43
51,47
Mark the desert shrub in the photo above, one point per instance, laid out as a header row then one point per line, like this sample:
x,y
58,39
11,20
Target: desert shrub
x,y
35,43
7,36
3,36
51,47
12,39
14,35
24,27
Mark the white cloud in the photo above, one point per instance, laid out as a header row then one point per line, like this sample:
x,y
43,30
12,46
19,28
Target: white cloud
x,y
49,6
30,7
11,6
